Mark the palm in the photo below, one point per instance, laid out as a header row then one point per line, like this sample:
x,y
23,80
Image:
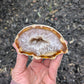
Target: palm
x,y
39,72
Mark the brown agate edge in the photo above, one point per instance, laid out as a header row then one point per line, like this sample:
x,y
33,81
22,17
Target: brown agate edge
x,y
45,56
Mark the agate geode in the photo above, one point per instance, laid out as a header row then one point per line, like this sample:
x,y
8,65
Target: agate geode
x,y
40,41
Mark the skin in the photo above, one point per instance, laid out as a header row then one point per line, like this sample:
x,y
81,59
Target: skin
x,y
38,71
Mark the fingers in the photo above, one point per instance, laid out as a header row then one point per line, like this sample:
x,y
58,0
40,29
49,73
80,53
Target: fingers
x,y
66,42
21,61
54,65
47,62
56,62
37,60
15,48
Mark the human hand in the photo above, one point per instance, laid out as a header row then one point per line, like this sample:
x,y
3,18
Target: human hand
x,y
38,71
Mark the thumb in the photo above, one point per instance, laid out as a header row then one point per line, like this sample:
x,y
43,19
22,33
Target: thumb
x,y
21,61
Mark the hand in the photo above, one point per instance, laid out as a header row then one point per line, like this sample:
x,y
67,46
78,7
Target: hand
x,y
38,71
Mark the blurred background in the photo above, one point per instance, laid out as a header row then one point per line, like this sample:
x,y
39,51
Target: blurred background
x,y
67,16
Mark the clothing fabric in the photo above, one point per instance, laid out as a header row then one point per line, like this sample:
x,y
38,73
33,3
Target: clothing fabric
x,y
13,82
